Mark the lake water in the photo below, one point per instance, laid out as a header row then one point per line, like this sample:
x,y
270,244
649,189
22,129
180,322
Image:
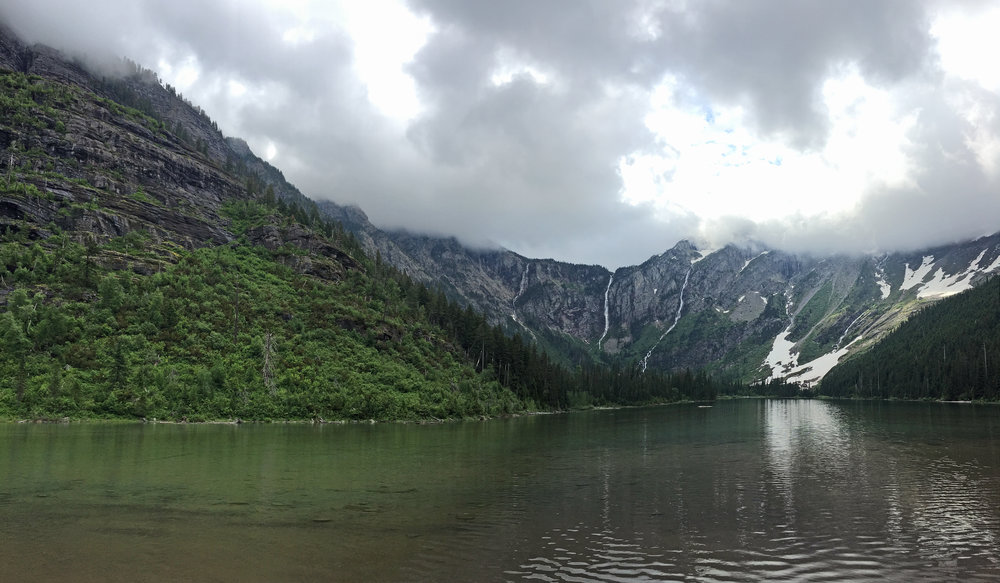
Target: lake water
x,y
748,490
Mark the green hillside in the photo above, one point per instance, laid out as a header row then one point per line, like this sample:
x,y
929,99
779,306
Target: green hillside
x,y
145,275
950,351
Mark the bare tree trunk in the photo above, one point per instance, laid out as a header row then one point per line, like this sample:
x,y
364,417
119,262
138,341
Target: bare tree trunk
x,y
236,311
268,371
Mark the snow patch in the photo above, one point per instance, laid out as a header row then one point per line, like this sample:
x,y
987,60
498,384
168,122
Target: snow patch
x,y
784,362
749,261
781,357
942,284
812,372
702,255
883,285
975,262
781,354
993,266
912,277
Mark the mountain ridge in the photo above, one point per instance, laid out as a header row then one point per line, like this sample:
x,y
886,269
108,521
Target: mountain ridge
x,y
746,312
742,314
152,267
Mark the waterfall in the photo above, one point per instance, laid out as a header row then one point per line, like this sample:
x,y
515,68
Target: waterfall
x,y
520,292
607,318
846,330
677,317
513,302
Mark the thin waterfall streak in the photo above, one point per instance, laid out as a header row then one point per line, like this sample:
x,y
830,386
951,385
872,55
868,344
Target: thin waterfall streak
x,y
520,292
513,302
846,330
677,318
607,315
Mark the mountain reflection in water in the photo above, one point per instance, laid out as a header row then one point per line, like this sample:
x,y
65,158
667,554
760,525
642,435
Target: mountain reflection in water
x,y
748,490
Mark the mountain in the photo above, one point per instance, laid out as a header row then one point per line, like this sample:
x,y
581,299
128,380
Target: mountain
x,y
558,305
948,351
743,312
131,180
152,267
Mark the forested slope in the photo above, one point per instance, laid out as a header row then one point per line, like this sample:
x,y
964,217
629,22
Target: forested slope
x,y
149,269
950,351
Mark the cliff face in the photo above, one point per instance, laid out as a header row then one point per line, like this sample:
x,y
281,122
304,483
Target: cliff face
x,y
87,165
528,296
270,313
74,159
743,312
12,50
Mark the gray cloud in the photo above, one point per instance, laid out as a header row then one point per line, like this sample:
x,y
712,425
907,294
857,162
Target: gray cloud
x,y
951,198
534,166
772,56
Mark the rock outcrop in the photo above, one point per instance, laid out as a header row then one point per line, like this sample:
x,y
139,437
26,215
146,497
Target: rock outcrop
x,y
74,159
745,312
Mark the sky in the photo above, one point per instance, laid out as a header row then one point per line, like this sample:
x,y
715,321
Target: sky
x,y
599,131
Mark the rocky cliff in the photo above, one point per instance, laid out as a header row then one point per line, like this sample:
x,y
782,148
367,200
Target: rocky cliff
x,y
103,152
744,312
150,267
75,159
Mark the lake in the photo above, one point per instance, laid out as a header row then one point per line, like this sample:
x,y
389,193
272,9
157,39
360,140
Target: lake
x,y
747,490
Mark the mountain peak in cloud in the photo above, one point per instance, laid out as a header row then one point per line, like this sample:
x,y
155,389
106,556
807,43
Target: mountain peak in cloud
x,y
598,133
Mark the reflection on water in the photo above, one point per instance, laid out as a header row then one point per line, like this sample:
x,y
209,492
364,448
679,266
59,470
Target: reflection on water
x,y
745,491
811,491
596,556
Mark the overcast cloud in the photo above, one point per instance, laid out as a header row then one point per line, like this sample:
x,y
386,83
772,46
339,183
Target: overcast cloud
x,y
598,132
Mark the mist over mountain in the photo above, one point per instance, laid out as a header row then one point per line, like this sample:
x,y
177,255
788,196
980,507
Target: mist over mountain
x,y
748,312
599,134
151,267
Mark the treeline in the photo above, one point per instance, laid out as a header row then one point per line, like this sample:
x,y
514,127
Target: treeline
x,y
267,184
948,351
520,366
264,208
138,327
237,331
221,332
625,383
120,88
777,387
517,364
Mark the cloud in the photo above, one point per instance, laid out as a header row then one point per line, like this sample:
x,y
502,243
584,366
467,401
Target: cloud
x,y
773,56
599,132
